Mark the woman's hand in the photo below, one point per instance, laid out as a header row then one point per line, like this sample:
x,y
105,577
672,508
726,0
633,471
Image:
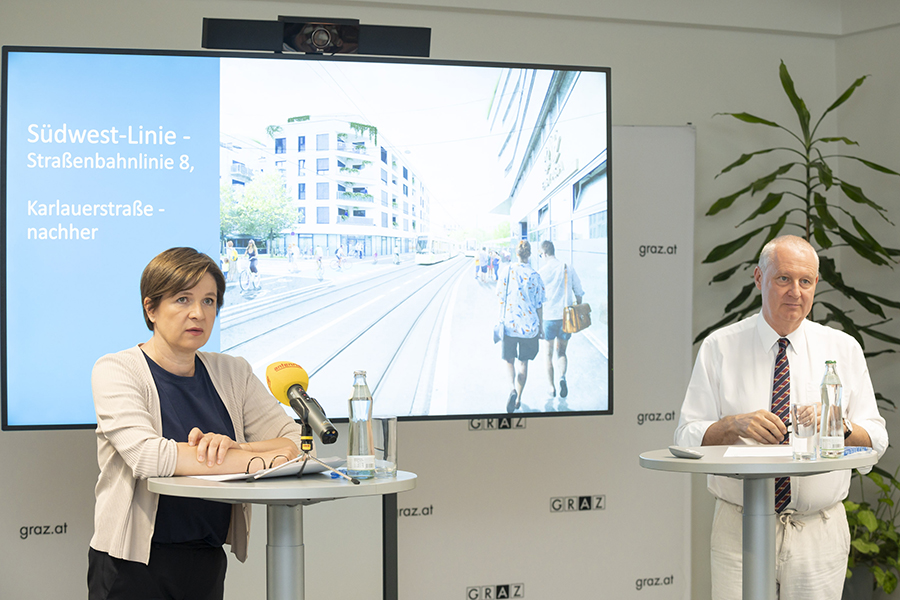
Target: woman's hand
x,y
211,447
213,453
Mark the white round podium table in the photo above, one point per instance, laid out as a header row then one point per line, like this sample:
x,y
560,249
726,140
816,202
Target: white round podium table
x,y
284,498
758,473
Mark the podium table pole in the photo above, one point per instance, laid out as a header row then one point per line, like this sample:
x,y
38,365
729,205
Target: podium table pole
x,y
390,577
284,552
758,543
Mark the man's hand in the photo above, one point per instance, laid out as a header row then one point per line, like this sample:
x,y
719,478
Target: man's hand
x,y
808,414
761,425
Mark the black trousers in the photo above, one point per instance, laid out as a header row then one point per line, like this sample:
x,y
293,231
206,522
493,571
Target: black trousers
x,y
175,572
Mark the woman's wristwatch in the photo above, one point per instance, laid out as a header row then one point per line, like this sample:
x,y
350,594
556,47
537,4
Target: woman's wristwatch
x,y
848,428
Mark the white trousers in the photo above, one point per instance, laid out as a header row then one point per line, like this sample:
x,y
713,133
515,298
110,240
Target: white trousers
x,y
811,553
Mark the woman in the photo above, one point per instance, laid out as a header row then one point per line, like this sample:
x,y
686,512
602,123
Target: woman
x,y
521,294
253,255
164,408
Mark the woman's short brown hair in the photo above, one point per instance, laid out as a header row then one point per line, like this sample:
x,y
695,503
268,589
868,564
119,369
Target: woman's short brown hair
x,y
176,270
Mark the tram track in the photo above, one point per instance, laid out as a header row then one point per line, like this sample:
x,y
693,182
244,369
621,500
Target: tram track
x,y
272,305
449,275
320,298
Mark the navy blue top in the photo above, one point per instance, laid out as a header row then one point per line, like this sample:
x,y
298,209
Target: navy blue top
x,y
185,403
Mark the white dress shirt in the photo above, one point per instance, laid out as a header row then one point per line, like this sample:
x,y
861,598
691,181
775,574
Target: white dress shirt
x,y
734,375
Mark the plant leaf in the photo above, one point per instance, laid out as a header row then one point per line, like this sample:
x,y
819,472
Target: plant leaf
x,y
867,237
821,205
885,301
726,201
861,247
799,105
774,230
880,335
830,274
727,249
767,205
856,194
754,306
763,182
819,232
865,547
883,474
826,176
846,95
879,397
869,355
872,165
868,520
847,141
746,157
748,118
726,320
846,323
889,583
834,279
727,273
741,297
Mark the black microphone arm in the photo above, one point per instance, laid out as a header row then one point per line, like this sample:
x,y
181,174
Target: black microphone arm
x,y
310,411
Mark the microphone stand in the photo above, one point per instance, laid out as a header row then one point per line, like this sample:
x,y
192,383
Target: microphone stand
x,y
306,446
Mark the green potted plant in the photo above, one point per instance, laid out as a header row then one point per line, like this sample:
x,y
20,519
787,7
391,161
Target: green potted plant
x,y
874,533
802,197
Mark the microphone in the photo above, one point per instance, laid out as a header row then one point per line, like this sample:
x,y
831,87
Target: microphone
x,y
288,382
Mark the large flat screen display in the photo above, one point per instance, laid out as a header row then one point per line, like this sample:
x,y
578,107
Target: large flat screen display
x,y
385,198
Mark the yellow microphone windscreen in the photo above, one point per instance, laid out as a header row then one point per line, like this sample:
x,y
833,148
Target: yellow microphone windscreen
x,y
280,376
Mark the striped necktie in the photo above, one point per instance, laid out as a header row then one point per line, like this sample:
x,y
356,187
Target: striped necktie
x,y
781,406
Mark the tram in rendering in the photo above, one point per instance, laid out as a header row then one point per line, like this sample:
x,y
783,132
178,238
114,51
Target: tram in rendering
x,y
431,249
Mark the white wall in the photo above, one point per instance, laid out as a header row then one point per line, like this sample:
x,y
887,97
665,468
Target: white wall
x,y
672,63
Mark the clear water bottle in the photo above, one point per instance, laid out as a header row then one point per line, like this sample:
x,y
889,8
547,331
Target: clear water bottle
x,y
831,432
361,449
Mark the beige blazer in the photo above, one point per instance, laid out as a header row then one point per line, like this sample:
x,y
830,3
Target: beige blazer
x,y
130,446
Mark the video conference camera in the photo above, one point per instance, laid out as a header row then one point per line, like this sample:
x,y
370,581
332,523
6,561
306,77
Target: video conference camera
x,y
315,36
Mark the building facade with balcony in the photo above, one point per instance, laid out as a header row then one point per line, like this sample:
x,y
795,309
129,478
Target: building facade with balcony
x,y
349,186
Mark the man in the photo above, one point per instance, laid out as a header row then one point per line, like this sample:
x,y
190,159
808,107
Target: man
x,y
729,401
559,279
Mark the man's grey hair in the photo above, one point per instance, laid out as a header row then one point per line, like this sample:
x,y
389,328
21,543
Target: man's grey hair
x,y
793,241
547,248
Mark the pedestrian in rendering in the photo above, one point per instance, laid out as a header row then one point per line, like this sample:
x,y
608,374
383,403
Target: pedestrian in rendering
x,y
561,285
521,294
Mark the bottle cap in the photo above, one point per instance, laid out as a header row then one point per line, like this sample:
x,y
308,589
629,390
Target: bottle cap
x,y
358,373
